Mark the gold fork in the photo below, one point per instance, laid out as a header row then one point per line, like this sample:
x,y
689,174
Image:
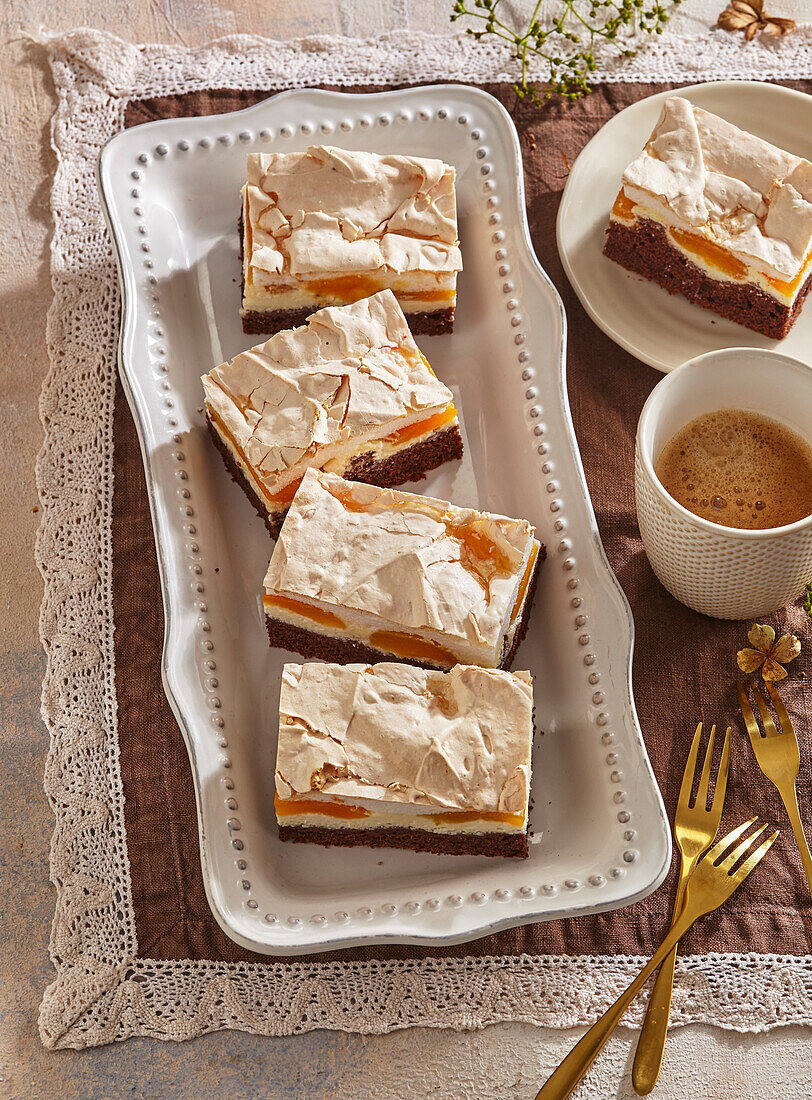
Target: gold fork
x,y
694,830
713,881
778,756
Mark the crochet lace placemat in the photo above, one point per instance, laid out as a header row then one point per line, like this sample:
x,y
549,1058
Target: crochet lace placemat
x,y
104,989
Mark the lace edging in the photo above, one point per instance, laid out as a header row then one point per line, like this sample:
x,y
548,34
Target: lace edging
x,y
182,999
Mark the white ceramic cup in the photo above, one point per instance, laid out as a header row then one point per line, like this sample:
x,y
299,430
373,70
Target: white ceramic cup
x,y
722,571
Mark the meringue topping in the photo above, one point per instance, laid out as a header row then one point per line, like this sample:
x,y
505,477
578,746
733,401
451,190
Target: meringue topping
x,y
394,734
728,186
412,563
334,211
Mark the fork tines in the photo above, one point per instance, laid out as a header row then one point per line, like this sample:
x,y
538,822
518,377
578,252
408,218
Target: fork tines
x,y
770,729
722,857
689,775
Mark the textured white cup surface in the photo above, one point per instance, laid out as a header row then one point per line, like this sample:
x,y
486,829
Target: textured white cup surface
x,y
721,571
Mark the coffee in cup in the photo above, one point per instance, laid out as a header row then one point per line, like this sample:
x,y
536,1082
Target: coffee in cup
x,y
738,468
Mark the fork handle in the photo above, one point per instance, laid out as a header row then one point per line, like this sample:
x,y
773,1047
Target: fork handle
x,y
563,1081
791,802
648,1058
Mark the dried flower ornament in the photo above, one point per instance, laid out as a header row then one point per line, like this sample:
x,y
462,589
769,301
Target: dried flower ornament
x,y
768,654
749,16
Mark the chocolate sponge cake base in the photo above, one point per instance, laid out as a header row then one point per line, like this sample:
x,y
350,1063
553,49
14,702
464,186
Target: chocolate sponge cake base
x,y
347,651
409,464
433,322
441,844
645,249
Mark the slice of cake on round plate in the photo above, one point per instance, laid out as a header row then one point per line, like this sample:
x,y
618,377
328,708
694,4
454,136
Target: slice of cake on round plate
x,y
719,215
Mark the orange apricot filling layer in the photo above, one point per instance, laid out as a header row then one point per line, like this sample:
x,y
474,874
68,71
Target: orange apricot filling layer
x,y
713,254
287,807
361,286
431,424
789,288
455,816
411,646
286,495
318,615
350,288
624,207
525,581
345,286
426,295
290,807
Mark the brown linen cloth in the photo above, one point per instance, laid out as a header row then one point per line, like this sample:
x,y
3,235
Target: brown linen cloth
x,y
683,669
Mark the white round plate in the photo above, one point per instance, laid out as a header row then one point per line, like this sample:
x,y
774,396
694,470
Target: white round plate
x,y
660,328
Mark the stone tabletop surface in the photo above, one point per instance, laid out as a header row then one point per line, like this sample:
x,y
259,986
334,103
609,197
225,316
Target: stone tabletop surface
x,y
504,1061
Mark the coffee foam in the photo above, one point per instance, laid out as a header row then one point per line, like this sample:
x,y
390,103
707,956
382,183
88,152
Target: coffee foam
x,y
740,469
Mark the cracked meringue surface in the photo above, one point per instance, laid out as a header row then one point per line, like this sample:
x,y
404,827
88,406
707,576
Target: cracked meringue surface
x,y
380,564
399,742
327,225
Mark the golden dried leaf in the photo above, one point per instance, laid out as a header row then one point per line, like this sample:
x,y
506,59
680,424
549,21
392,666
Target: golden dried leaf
x,y
786,649
749,660
772,671
761,637
730,20
749,16
778,26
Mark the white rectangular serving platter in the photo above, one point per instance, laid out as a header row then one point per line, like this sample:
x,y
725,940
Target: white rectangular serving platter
x,y
600,838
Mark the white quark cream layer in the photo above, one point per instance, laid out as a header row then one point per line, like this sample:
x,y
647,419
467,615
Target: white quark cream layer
x,y
329,212
405,743
321,394
701,174
425,822
380,560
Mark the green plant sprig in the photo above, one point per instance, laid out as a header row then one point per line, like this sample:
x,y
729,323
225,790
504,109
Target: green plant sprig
x,y
579,25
